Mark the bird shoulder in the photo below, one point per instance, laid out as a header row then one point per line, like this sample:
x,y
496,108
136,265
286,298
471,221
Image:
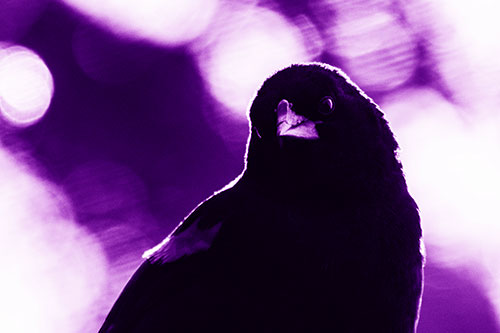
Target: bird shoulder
x,y
193,235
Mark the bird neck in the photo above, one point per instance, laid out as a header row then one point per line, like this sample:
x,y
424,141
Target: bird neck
x,y
274,180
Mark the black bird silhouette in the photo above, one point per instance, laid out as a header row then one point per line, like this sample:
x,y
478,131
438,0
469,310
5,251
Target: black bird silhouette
x,y
318,234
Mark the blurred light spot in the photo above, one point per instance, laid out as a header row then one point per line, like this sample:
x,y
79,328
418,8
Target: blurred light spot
x,y
170,22
474,22
452,170
17,16
26,86
378,51
246,45
311,37
106,58
359,5
463,48
53,271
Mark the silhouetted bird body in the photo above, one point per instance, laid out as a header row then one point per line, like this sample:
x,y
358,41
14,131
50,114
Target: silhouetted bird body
x,y
319,233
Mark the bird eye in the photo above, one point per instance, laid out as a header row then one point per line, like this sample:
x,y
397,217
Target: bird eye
x,y
326,106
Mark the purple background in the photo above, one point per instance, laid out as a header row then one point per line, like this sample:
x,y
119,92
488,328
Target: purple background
x,y
128,141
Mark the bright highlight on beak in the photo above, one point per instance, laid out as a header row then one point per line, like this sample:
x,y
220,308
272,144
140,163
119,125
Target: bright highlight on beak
x,y
292,124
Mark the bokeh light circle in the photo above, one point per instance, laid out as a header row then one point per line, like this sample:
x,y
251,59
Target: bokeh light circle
x,y
451,166
54,272
463,48
171,22
246,46
26,86
378,51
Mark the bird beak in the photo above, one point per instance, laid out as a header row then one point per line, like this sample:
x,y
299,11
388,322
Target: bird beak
x,y
292,124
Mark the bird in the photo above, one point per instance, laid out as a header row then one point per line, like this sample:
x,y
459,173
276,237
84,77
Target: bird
x,y
317,234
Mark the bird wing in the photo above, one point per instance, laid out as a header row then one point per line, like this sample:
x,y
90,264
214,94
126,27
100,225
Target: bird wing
x,y
194,235
170,267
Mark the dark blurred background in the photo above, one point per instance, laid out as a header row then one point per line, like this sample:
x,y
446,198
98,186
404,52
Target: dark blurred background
x,y
118,117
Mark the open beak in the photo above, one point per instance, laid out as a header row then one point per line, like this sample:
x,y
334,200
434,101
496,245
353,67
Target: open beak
x,y
292,124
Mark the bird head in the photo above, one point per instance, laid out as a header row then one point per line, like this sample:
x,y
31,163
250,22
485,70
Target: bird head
x,y
313,129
